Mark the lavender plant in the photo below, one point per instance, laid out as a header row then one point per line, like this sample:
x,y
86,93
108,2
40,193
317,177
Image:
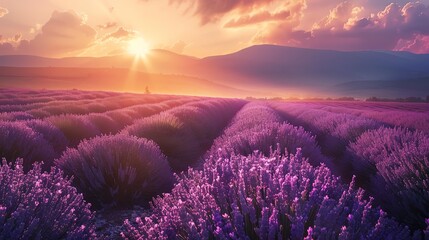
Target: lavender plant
x,y
258,127
172,136
186,132
266,137
395,162
334,130
104,123
74,127
117,171
258,197
19,141
50,133
13,116
41,205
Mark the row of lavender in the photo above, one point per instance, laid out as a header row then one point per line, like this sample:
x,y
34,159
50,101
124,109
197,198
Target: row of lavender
x,y
273,191
390,162
80,103
45,139
410,115
249,190
136,165
27,198
110,170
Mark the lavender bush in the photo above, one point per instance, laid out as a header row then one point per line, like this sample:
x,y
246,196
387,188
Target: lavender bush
x,y
117,171
251,115
13,116
186,132
19,141
395,163
40,205
172,136
104,123
258,127
266,137
259,197
50,133
334,130
74,127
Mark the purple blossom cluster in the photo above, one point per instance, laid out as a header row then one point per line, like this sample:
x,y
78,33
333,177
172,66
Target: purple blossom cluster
x,y
117,171
41,205
258,197
394,166
257,127
185,133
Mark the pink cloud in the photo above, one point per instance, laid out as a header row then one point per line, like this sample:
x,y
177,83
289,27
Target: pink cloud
x,y
120,33
213,10
3,11
63,33
107,25
418,44
394,28
262,16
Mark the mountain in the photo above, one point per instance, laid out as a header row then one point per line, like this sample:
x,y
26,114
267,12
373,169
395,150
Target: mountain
x,y
321,71
276,70
159,58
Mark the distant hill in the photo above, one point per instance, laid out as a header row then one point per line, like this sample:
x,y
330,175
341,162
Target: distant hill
x,y
324,70
158,58
276,70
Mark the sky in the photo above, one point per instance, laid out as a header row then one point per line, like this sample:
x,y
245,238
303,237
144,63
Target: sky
x,y
64,28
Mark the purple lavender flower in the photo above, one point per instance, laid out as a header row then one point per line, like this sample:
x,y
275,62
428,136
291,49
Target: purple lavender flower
x,y
41,205
258,197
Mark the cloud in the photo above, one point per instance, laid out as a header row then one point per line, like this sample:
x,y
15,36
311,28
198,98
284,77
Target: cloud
x,y
417,44
273,32
120,33
36,28
107,25
394,28
64,32
213,10
343,15
3,11
262,16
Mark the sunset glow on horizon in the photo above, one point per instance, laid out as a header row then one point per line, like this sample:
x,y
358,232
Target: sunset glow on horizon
x,y
138,47
200,28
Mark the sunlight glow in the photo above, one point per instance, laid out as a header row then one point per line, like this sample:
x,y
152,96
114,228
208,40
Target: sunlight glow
x,y
138,47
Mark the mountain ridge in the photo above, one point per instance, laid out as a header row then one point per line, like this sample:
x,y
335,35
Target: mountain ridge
x,y
279,70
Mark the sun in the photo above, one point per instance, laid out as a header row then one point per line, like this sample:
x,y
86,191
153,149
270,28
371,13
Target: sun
x,y
138,47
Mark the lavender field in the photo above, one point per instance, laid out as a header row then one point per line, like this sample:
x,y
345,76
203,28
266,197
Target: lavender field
x,y
105,165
